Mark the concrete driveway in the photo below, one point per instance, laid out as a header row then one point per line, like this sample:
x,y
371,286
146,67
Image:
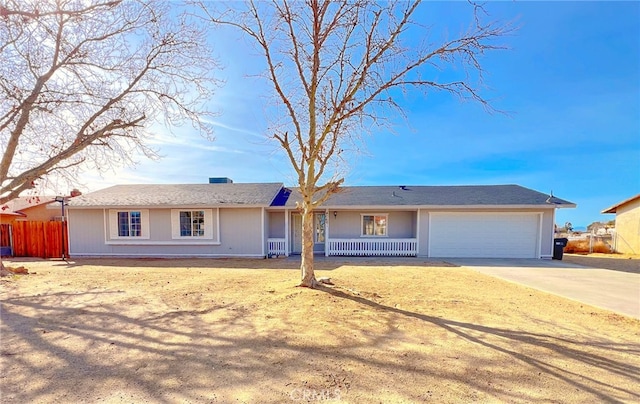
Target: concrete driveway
x,y
604,288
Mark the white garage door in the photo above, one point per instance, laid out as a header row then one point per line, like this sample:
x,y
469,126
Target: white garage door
x,y
484,235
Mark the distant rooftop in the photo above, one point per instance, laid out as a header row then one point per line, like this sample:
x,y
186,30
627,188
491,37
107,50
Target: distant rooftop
x,y
615,207
14,206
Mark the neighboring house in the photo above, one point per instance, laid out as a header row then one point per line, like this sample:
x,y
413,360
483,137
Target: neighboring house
x,y
33,208
627,232
260,220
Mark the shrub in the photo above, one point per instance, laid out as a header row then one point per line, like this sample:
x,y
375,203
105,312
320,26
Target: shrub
x,y
582,246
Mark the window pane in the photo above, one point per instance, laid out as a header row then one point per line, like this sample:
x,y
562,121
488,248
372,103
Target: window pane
x,y
320,227
136,224
198,223
123,224
367,225
185,224
381,225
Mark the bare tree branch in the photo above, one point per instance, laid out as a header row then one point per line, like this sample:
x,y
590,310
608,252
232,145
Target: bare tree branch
x,y
81,83
337,66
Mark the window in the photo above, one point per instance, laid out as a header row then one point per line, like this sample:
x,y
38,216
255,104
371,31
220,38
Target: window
x,y
374,225
129,224
192,223
321,219
196,224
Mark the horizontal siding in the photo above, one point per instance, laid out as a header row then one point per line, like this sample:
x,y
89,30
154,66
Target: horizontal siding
x,y
547,235
423,235
87,232
276,224
240,232
347,224
240,235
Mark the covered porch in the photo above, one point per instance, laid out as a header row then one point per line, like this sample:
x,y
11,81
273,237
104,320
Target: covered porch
x,y
345,233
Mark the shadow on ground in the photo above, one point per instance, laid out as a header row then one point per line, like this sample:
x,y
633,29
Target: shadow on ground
x,y
78,347
631,265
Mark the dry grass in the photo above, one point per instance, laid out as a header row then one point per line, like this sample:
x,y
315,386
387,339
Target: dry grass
x,y
582,246
397,331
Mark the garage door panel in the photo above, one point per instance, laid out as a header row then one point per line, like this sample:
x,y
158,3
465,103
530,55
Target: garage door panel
x,y
484,235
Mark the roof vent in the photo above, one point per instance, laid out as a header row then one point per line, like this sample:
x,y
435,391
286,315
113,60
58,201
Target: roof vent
x,y
220,180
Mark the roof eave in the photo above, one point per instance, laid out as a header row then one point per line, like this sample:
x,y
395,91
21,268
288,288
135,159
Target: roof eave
x,y
614,208
190,206
453,207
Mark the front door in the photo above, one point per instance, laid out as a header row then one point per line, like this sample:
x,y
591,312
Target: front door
x,y
319,231
296,234
319,228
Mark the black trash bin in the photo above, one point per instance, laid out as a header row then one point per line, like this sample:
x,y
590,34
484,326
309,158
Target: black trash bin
x,y
558,247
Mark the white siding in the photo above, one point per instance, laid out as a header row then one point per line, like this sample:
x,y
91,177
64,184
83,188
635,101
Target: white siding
x,y
348,224
423,235
240,234
276,224
547,234
87,232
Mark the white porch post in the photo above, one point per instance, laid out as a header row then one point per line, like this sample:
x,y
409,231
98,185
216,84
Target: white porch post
x,y
418,233
264,240
287,248
326,233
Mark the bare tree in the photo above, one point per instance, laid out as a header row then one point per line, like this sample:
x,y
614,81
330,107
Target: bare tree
x,y
337,68
81,82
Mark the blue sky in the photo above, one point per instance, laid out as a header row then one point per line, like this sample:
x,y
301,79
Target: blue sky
x,y
570,81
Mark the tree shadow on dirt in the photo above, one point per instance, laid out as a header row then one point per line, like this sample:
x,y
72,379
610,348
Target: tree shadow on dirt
x,y
550,342
614,264
197,353
145,353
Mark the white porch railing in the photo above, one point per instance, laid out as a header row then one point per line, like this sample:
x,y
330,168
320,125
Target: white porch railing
x,y
399,247
276,246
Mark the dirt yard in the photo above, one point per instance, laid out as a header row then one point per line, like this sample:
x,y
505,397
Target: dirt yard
x,y
238,331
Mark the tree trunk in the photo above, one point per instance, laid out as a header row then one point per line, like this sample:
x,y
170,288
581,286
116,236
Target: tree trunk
x,y
306,263
3,270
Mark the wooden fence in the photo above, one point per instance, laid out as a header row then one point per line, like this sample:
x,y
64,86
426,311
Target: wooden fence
x,y
40,239
5,240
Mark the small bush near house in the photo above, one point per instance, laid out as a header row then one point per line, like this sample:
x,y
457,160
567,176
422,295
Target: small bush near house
x,y
582,246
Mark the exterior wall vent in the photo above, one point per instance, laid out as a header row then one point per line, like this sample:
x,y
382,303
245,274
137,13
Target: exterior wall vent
x,y
220,180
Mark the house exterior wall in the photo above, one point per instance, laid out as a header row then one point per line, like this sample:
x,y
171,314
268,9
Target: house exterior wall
x,y
8,219
348,224
628,228
423,233
276,224
87,232
241,234
547,234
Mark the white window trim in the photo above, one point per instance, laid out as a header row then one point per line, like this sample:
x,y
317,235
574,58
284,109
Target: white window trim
x,y
148,242
208,225
315,228
362,215
113,224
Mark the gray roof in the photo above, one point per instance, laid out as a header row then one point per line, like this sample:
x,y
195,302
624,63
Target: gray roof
x,y
235,194
464,195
